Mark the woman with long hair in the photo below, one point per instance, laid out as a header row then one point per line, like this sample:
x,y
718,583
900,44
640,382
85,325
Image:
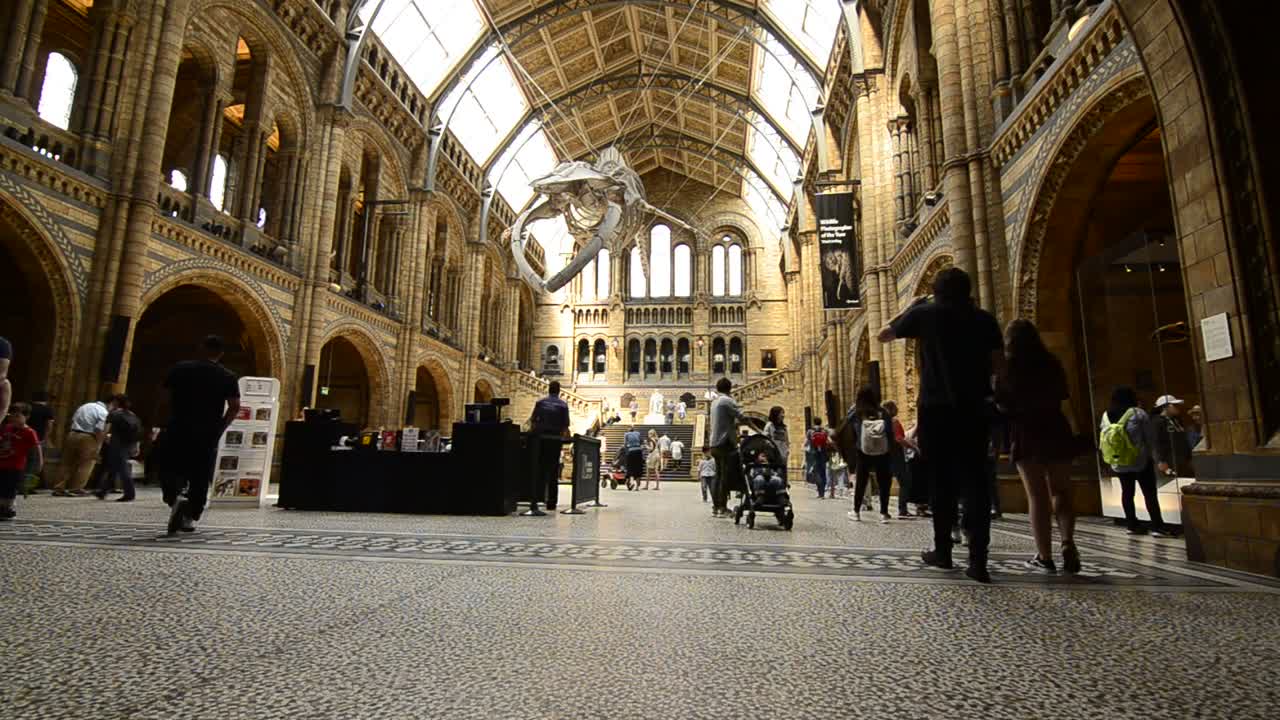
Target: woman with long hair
x,y
1141,472
1031,392
653,461
874,439
776,430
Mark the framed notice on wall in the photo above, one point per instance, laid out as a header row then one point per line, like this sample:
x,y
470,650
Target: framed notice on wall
x,y
243,470
1217,337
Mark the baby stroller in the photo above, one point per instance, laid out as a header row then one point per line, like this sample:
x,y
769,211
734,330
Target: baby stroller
x,y
613,474
766,480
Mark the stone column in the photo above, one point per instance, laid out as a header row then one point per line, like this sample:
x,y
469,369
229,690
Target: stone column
x,y
145,179
27,75
973,121
20,17
899,195
955,142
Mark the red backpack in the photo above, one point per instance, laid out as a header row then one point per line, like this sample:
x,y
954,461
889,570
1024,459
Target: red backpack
x,y
819,441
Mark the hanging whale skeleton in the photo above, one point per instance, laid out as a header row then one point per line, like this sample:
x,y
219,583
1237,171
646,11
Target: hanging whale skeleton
x,y
603,205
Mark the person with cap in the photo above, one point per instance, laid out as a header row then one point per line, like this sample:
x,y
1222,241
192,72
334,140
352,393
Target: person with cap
x,y
1172,447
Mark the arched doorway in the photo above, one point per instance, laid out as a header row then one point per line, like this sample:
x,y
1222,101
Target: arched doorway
x,y
343,381
432,399
37,303
170,330
484,391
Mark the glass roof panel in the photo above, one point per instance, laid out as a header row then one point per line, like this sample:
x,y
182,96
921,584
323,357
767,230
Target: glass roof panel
x,y
427,37
487,109
528,158
764,204
774,158
787,102
812,23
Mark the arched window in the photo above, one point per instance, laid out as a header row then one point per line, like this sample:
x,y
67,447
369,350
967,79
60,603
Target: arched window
x,y
717,356
660,261
638,289
650,357
602,274
735,356
717,270
262,218
668,357
735,270
218,183
682,271
178,180
633,356
684,358
584,356
601,357
58,91
587,289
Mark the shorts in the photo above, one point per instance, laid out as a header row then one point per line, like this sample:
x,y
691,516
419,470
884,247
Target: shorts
x,y
10,481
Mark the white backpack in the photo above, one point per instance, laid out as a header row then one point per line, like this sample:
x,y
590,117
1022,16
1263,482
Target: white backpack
x,y
874,440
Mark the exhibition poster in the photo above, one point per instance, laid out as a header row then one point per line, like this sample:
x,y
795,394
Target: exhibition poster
x,y
243,471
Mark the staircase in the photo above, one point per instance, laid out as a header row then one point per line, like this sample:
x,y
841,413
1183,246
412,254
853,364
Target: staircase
x,y
683,432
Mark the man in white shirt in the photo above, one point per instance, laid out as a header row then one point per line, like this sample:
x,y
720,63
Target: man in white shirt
x,y
664,445
677,451
80,450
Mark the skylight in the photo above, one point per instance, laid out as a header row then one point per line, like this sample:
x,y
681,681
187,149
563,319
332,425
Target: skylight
x,y
427,37
487,109
774,158
763,203
788,103
553,236
528,158
812,23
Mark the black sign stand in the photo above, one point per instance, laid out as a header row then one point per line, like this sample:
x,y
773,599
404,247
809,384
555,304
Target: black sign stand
x,y
586,474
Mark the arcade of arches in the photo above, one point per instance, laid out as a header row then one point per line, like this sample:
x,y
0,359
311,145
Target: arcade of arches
x,y
1099,166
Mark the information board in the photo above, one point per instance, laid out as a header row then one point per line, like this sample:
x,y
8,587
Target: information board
x,y
1217,337
243,470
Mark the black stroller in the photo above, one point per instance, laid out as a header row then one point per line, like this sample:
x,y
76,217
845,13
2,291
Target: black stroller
x,y
767,486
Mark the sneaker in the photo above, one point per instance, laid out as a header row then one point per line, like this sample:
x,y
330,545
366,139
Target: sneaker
x,y
8,513
78,493
997,516
854,515
1070,559
980,574
884,518
177,517
125,498
905,516
60,493
1163,532
1039,563
933,559
1136,530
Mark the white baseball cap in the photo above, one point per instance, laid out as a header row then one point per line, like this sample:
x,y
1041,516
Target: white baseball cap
x,y
1168,400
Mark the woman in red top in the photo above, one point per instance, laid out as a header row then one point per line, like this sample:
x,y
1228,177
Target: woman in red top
x,y
16,442
1031,391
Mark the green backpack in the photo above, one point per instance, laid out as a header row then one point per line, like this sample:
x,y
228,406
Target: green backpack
x,y
1117,447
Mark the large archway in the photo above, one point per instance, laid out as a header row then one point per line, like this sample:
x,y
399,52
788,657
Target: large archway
x,y
432,399
170,330
344,381
38,319
484,391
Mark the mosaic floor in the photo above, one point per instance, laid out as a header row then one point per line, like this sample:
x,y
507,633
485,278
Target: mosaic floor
x,y
647,608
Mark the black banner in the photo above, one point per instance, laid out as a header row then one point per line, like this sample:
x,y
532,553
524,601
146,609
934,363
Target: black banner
x,y
838,250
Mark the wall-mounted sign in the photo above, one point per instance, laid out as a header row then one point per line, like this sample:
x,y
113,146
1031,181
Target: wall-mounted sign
x,y
1217,337
837,250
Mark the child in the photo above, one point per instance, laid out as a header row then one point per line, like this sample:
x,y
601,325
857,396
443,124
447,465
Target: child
x,y
706,472
17,439
765,478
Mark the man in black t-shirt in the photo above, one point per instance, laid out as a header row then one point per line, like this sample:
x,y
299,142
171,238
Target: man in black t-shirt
x,y
204,398
960,347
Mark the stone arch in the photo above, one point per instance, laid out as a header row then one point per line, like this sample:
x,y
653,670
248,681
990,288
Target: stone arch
x,y
38,255
446,408
484,390
246,296
375,363
370,132
1064,172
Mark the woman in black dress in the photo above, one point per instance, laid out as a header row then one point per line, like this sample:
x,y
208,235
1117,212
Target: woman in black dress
x,y
1031,393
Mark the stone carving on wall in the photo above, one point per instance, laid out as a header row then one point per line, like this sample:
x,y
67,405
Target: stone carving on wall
x,y
602,203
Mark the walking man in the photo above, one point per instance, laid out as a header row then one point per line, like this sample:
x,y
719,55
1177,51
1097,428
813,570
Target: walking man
x,y
723,439
961,347
204,398
550,420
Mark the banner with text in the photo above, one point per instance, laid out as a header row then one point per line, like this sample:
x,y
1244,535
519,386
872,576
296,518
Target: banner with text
x,y
243,471
838,250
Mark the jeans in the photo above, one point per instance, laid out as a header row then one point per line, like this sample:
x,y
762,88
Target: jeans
x,y
953,442
187,462
881,464
115,460
820,472
708,483
901,471
1145,479
727,471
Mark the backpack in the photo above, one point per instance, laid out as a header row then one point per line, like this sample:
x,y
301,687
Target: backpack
x,y
819,441
1117,447
874,439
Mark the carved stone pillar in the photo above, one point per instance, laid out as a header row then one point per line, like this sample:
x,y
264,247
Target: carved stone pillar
x,y
27,75
20,20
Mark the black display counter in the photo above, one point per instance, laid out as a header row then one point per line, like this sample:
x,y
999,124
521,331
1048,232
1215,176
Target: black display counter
x,y
482,475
